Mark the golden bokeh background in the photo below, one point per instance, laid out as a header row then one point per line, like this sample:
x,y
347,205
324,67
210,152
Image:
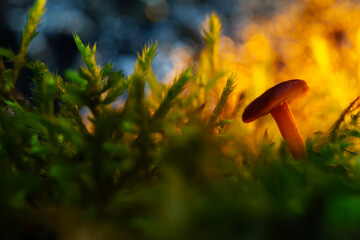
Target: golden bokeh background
x,y
317,41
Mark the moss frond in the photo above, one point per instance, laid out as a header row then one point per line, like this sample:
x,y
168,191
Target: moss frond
x,y
211,34
117,84
229,87
173,93
145,58
8,53
88,56
28,34
335,127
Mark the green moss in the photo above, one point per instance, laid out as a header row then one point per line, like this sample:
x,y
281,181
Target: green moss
x,y
155,168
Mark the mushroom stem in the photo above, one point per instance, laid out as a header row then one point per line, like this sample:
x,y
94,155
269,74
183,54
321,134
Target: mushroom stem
x,y
289,130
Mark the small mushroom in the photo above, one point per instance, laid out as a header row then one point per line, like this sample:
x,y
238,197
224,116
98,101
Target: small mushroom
x,y
276,101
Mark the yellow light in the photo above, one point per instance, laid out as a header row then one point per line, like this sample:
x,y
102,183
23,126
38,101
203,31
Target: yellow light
x,y
317,41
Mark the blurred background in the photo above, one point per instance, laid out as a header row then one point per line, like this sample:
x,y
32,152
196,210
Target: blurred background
x,y
264,42
121,28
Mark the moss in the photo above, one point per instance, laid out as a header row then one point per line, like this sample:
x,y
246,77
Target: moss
x,y
159,170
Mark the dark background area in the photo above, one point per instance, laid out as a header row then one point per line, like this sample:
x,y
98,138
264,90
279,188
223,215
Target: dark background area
x,y
121,28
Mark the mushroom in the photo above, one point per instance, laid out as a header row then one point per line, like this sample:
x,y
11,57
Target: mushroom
x,y
276,101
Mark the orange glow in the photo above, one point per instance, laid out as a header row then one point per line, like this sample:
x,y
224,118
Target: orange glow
x,y
318,41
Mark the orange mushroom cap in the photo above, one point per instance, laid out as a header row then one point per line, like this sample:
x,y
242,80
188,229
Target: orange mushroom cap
x,y
283,92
